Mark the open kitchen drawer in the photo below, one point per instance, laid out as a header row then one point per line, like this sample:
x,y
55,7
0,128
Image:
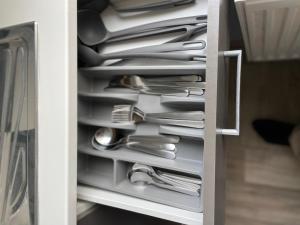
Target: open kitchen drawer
x,y
103,175
71,105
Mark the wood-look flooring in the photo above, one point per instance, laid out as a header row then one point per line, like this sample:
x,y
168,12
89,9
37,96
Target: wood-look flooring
x,y
263,180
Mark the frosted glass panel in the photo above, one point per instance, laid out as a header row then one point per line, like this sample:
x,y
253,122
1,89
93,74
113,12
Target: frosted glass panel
x,y
17,126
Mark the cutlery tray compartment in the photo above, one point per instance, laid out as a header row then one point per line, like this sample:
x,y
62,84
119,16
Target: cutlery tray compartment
x,y
189,157
153,193
95,104
113,175
96,171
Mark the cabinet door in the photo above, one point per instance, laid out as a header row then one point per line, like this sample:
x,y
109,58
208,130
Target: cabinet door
x,y
214,160
51,111
17,125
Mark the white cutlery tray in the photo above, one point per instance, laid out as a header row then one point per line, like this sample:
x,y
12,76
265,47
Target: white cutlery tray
x,y
111,174
108,169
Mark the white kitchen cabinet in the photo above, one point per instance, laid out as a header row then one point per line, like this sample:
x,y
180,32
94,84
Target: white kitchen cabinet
x,y
57,78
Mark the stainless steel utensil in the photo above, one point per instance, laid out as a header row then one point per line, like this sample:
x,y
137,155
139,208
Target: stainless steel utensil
x,y
140,82
163,90
171,181
183,33
174,122
92,31
101,5
141,147
144,178
189,85
193,180
106,139
168,47
92,58
107,136
129,113
156,87
175,78
154,138
189,115
145,145
152,150
196,87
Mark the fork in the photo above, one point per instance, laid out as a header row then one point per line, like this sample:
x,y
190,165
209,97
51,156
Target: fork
x,y
135,81
172,86
129,113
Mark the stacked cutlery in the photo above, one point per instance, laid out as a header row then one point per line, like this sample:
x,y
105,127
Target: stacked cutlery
x,y
159,145
130,113
168,85
147,175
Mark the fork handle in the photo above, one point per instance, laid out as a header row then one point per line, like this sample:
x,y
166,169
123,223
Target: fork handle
x,y
176,78
182,123
154,138
192,115
192,180
157,152
176,182
180,189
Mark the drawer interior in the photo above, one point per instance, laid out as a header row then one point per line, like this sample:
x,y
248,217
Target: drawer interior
x,y
109,169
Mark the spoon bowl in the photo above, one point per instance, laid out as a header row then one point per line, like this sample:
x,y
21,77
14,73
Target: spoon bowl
x,y
106,136
140,178
91,29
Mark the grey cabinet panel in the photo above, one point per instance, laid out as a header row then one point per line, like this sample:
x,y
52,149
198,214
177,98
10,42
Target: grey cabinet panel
x,y
216,73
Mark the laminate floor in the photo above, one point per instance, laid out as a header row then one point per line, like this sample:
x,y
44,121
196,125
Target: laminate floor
x,y
263,180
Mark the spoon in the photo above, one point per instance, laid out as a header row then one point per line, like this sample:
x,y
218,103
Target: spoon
x,y
103,4
144,178
151,172
92,58
92,31
105,138
156,150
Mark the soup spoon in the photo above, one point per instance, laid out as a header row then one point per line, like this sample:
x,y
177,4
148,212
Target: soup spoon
x,y
106,139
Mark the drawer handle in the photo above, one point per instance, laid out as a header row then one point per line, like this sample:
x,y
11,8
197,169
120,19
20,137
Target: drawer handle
x,y
236,130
